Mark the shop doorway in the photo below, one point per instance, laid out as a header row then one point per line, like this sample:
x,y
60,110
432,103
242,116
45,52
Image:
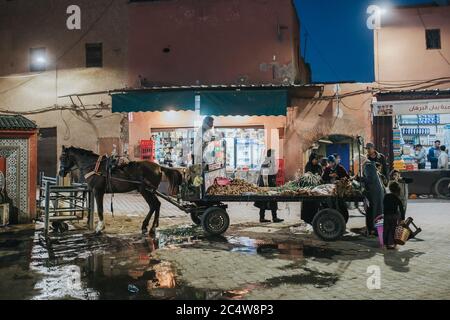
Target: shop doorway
x,y
345,146
342,149
47,152
383,136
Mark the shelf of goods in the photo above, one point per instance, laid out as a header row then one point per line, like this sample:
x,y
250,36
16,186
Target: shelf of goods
x,y
399,163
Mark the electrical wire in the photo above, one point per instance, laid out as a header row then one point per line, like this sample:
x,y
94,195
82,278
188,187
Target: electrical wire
x,y
50,109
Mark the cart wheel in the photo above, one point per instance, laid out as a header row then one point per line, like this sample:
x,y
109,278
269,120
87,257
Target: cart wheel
x,y
195,218
442,188
329,224
215,221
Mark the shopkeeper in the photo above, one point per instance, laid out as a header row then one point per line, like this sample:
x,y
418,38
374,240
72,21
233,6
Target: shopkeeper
x,y
434,153
420,156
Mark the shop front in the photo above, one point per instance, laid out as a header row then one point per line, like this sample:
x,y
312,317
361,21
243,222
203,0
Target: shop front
x,y
250,122
413,128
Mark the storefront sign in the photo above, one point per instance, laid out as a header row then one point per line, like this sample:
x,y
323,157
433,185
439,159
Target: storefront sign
x,y
388,108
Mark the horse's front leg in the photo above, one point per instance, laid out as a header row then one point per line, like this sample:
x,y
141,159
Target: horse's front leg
x,y
99,200
157,206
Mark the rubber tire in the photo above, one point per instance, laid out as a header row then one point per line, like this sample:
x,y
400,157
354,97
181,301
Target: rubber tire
x,y
329,224
196,219
214,215
444,180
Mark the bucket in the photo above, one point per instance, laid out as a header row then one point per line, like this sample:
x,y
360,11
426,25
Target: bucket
x,y
379,222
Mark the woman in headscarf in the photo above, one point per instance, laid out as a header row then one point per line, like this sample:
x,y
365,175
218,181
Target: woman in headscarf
x,y
310,208
313,165
374,191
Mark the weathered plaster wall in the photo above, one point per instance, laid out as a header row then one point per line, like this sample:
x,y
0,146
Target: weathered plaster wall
x,y
309,120
214,42
400,46
26,24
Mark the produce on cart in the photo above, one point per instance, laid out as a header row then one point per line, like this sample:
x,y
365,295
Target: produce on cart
x,y
237,187
306,185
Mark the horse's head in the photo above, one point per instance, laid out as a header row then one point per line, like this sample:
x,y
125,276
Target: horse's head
x,y
66,162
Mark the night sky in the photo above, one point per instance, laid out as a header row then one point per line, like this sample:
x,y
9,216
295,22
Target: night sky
x,y
339,44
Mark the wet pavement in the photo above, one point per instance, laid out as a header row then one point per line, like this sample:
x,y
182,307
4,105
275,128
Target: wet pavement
x,y
274,261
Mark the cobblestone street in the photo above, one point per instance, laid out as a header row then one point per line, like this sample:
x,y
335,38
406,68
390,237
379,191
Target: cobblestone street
x,y
251,261
339,270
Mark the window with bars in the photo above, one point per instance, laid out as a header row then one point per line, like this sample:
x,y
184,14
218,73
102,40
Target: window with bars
x,y
433,37
94,55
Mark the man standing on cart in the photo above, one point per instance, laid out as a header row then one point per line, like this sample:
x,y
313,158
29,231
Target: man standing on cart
x,y
204,136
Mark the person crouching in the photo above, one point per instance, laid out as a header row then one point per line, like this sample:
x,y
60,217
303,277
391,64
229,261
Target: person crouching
x,y
394,212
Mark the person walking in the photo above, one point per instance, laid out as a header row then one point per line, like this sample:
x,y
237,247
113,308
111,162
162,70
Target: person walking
x,y
434,153
420,156
268,178
374,192
443,159
394,212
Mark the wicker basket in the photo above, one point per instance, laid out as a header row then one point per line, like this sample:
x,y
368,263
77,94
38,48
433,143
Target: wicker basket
x,y
402,234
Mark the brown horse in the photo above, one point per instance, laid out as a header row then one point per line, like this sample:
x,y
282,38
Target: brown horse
x,y
142,176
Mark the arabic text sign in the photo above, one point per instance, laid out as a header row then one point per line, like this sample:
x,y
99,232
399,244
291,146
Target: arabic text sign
x,y
388,108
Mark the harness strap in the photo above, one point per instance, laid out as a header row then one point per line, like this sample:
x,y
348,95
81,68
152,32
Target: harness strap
x,y
95,172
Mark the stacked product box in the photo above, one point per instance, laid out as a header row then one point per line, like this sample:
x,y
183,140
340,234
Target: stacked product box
x,y
399,164
410,162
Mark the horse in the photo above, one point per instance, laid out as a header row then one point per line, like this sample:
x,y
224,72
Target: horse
x,y
143,176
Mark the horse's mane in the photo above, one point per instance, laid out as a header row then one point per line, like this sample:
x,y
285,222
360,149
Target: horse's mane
x,y
82,151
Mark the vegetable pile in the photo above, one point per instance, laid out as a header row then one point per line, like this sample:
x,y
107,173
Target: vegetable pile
x,y
309,180
235,188
307,184
344,188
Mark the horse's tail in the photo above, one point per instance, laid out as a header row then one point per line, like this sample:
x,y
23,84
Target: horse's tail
x,y
174,177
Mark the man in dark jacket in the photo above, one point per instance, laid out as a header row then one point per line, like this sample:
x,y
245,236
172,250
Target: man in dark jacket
x,y
433,154
334,171
377,157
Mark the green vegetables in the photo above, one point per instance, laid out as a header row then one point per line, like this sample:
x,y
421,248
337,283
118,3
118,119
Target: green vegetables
x,y
309,180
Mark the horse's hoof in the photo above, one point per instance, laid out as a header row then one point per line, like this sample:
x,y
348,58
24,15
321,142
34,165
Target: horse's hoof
x,y
100,227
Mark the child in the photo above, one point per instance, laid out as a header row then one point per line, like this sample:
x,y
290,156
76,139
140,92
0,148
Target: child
x,y
393,213
443,159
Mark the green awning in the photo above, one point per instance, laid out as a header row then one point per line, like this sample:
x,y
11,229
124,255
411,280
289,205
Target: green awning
x,y
153,101
271,102
244,102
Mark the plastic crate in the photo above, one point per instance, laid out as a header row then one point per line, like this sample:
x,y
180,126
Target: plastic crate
x,y
147,150
281,173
